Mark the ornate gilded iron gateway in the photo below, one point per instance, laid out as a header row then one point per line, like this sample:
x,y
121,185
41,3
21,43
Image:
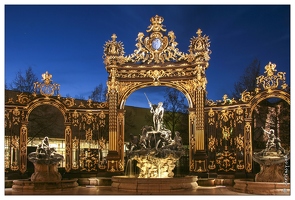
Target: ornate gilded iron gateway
x,y
220,132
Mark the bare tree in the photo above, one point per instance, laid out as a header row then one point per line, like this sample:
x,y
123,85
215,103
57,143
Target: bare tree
x,y
81,97
247,80
176,111
24,83
99,93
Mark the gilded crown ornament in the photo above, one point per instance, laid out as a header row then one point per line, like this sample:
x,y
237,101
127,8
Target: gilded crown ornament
x,y
156,24
46,87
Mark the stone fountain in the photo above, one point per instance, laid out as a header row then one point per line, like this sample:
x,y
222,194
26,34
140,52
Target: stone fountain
x,y
273,176
46,175
156,154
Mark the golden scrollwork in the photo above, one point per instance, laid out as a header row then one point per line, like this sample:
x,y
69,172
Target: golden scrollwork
x,y
7,121
101,105
211,119
89,103
70,102
239,142
239,115
155,74
10,100
240,165
226,132
88,118
88,135
102,143
75,118
246,96
113,83
200,80
226,161
212,165
23,98
128,72
16,116
88,160
15,142
102,115
212,141
271,80
210,102
225,115
226,100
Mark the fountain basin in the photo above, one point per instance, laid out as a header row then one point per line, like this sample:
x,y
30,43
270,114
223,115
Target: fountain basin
x,y
27,184
266,188
136,185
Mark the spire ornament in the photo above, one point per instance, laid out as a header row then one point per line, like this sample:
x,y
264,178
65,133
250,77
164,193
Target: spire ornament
x,y
113,52
199,48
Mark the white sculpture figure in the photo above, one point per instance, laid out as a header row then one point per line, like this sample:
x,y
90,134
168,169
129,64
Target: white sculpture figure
x,y
158,114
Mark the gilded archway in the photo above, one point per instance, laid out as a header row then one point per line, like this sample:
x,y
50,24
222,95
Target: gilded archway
x,y
156,62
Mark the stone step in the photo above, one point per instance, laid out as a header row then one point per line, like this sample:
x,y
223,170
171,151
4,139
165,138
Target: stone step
x,y
215,182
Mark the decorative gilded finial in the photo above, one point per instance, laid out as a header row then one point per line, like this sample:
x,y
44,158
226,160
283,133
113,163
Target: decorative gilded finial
x,y
199,48
270,69
199,32
113,48
114,37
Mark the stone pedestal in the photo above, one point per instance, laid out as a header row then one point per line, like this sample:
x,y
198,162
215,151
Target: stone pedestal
x,y
270,173
272,167
46,172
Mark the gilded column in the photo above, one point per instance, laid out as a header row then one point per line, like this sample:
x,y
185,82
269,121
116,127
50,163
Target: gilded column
x,y
199,133
113,101
199,57
121,127
68,149
199,92
192,140
23,147
248,145
113,57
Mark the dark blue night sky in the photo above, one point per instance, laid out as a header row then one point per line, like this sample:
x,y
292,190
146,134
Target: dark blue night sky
x,y
67,41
